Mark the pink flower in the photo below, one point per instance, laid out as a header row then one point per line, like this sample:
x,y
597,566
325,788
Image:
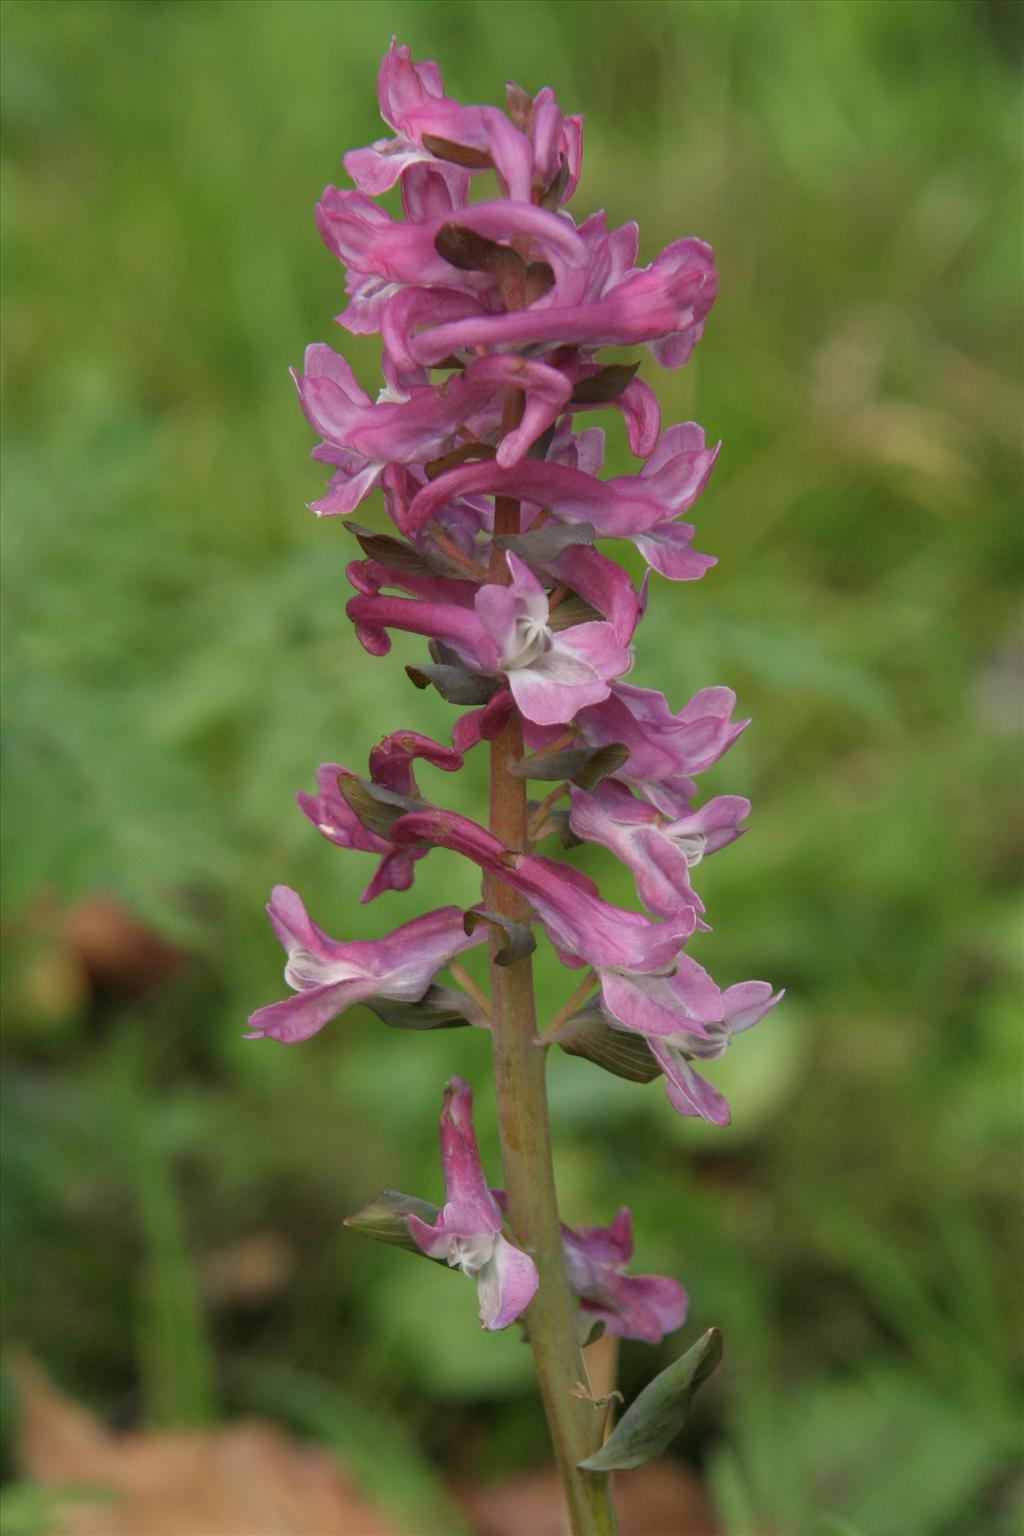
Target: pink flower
x,y
664,748
669,482
658,849
689,1093
648,984
552,673
401,84
369,241
467,1233
328,977
362,438
634,1306
390,766
527,151
663,305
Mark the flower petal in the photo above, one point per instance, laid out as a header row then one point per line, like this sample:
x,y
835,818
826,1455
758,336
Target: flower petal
x,y
505,1285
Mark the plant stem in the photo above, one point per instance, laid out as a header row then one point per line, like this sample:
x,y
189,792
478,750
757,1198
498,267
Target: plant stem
x,y
537,819
526,1150
470,987
581,993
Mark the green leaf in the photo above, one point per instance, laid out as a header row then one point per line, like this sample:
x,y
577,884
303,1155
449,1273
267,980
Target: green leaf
x,y
585,766
521,941
383,1219
654,1418
555,824
457,154
438,1008
552,196
573,610
377,808
605,385
455,684
470,252
546,544
624,1054
399,556
588,1328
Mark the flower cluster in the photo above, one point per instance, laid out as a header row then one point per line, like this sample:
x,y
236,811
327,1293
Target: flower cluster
x,y
492,314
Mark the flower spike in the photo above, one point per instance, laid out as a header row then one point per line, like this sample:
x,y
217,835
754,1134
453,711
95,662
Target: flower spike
x,y
493,305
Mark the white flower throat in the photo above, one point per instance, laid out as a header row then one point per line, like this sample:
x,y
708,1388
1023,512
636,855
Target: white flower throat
x,y
306,970
531,638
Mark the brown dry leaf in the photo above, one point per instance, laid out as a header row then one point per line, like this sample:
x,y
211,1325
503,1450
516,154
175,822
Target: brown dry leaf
x,y
660,1500
246,1479
250,1272
114,948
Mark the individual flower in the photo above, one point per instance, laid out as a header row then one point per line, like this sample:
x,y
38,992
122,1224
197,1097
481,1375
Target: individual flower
x,y
639,507
391,767
467,1233
663,305
530,148
401,84
689,1093
328,977
552,673
648,984
369,241
361,437
665,748
634,1306
660,850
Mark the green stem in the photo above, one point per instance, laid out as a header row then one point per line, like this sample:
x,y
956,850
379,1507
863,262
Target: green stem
x,y
526,1153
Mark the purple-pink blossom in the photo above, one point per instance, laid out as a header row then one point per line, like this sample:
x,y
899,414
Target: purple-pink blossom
x,y
643,1307
660,849
467,1233
742,1006
552,673
327,976
391,767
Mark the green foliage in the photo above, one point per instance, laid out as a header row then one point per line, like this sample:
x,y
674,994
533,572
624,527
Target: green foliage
x,y
658,1413
178,662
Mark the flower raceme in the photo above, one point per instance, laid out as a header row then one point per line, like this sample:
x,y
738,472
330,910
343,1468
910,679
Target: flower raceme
x,y
492,312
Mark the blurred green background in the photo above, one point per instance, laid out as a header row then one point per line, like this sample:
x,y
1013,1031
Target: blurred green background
x,y
178,662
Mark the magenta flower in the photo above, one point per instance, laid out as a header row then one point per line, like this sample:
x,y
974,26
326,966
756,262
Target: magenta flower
x,y
391,767
582,927
412,422
635,1306
552,674
660,850
368,240
663,305
665,749
527,151
328,977
689,1093
639,507
467,1233
401,84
